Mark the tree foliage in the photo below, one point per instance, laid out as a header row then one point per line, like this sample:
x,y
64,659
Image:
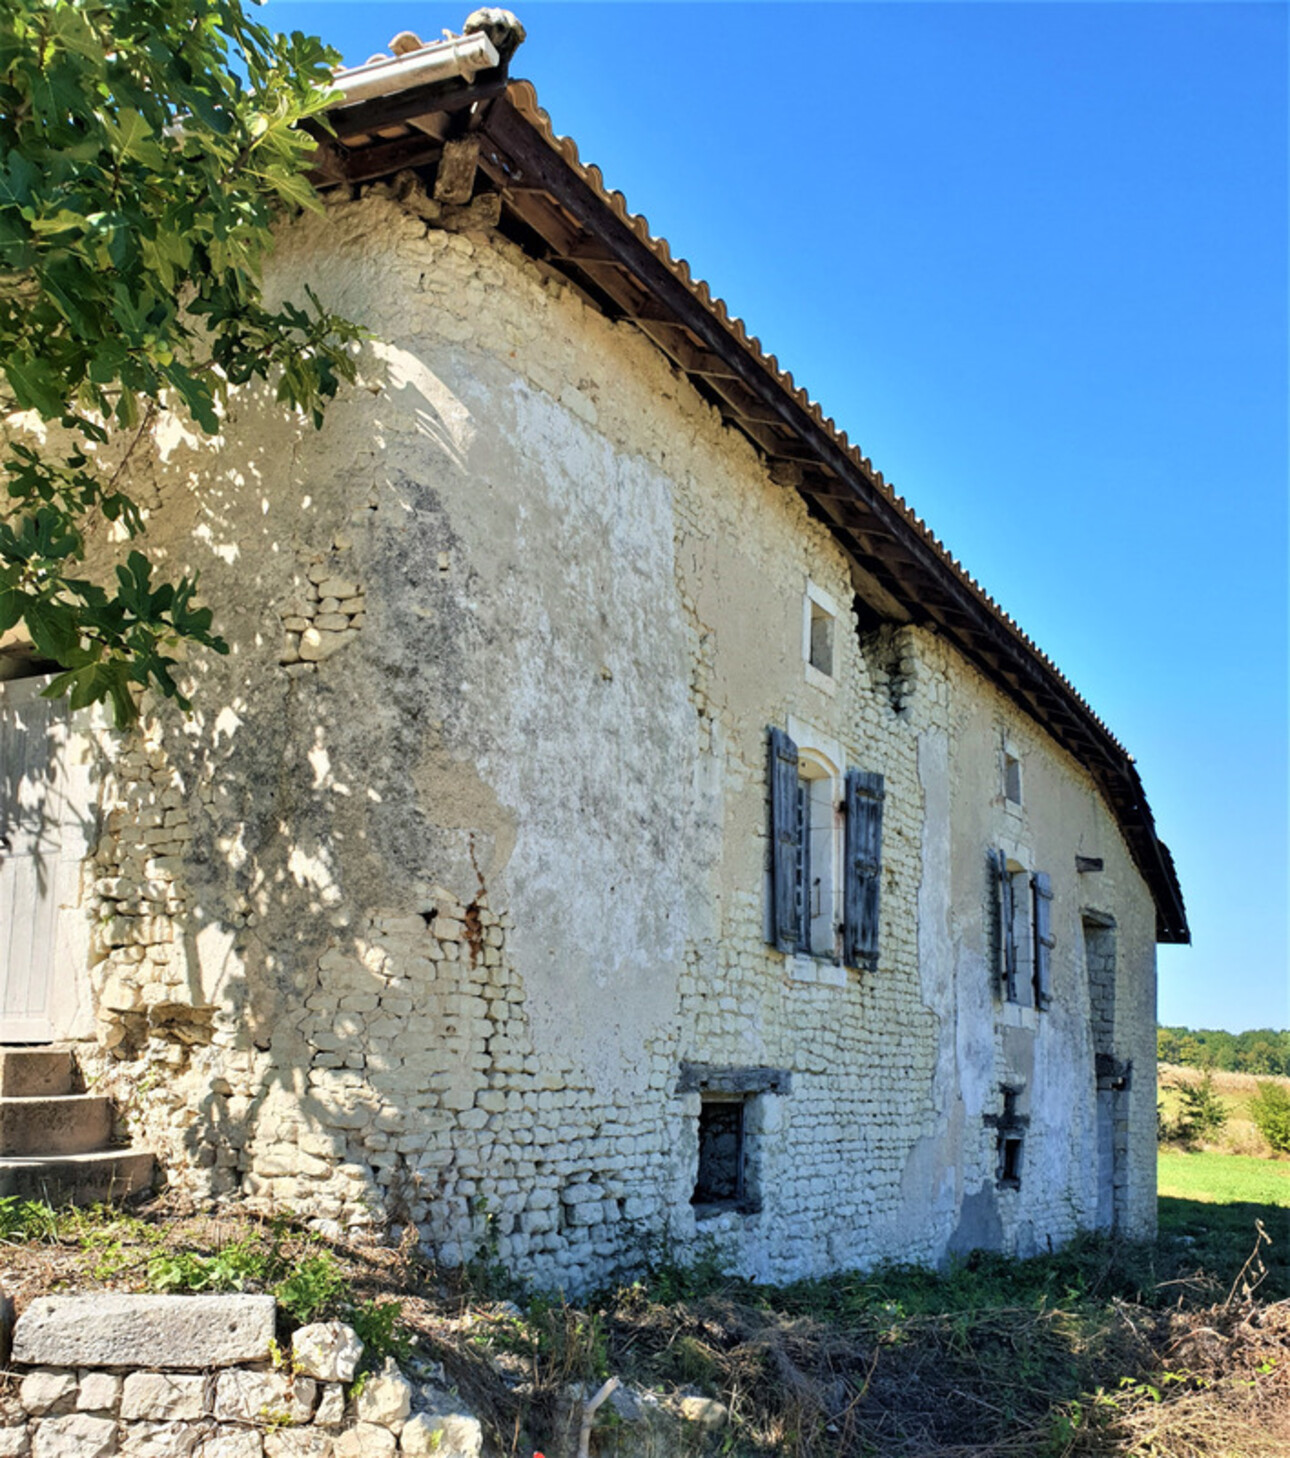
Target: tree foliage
x,y
1201,1112
1258,1051
1270,1110
147,148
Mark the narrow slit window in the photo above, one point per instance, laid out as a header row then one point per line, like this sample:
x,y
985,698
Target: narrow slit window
x,y
1011,1172
1011,778
821,640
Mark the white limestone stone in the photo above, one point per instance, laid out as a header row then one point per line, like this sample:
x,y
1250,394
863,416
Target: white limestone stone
x,y
365,1440
297,1443
76,1436
327,1350
330,1412
99,1392
442,1435
48,1391
385,1398
231,1443
164,1396
264,1397
117,1330
160,1440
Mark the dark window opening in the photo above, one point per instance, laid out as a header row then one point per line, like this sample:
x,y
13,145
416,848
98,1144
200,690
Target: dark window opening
x,y
821,639
1012,778
1011,1127
802,888
720,1180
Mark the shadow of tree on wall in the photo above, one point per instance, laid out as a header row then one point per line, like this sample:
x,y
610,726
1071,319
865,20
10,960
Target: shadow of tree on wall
x,y
295,948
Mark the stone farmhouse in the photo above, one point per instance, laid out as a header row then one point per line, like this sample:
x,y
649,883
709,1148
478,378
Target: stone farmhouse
x,y
619,822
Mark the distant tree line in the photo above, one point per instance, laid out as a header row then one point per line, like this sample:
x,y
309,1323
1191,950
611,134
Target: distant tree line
x,y
1260,1050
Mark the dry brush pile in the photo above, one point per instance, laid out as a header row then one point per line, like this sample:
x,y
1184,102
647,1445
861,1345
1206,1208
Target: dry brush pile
x,y
1098,1350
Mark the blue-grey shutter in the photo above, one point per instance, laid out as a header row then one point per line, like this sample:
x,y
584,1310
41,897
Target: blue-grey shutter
x,y
785,841
1044,939
1008,927
863,870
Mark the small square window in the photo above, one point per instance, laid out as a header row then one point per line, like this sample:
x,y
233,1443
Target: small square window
x,y
1011,778
821,640
1010,1173
720,1180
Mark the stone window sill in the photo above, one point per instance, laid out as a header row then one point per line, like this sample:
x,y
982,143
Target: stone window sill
x,y
825,682
1017,1015
820,970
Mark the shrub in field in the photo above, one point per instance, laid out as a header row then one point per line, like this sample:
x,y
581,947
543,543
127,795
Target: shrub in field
x,y
1270,1110
1201,1112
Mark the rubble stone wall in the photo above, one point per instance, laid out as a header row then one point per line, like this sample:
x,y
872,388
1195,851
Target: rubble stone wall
x,y
464,852
161,1377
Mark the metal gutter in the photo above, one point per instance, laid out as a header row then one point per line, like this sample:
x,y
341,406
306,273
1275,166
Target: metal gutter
x,y
446,60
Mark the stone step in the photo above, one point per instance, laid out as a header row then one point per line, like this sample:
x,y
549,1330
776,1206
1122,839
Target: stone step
x,y
56,1125
78,1179
35,1072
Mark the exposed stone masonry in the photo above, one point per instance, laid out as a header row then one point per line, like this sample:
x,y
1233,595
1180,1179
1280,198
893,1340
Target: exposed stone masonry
x,y
424,933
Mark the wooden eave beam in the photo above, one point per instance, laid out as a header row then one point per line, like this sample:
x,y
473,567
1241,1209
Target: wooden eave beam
x,y
416,101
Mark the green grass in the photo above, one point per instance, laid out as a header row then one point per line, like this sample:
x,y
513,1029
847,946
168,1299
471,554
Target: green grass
x,y
1208,1206
1224,1179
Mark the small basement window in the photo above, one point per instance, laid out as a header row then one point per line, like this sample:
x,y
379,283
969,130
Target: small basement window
x,y
720,1182
1011,1129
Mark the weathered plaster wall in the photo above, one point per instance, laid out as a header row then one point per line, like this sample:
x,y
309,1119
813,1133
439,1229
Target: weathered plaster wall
x,y
464,853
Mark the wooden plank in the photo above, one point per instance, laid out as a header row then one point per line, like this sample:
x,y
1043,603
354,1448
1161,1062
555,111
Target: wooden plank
x,y
402,106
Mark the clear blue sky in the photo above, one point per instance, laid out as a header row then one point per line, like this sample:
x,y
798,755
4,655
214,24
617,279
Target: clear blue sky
x,y
1033,258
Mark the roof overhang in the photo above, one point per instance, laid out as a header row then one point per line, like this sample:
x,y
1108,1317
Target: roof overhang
x,y
476,132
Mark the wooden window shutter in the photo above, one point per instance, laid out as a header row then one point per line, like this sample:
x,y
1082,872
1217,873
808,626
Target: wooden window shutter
x,y
785,841
1008,928
1044,939
863,870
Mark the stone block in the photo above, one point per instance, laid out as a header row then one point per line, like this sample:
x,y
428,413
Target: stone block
x,y
366,1440
327,1350
99,1392
442,1435
264,1397
14,1443
231,1443
331,1407
160,1440
386,1398
164,1396
298,1443
116,1330
76,1436
48,1392
706,1412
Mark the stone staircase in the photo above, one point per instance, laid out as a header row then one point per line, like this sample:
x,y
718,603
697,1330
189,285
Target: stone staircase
x,y
55,1143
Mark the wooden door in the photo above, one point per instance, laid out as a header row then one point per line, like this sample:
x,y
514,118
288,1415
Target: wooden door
x,y
44,832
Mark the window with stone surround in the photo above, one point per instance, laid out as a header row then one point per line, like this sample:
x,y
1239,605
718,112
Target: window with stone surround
x,y
826,851
1024,939
819,637
735,1109
1011,776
